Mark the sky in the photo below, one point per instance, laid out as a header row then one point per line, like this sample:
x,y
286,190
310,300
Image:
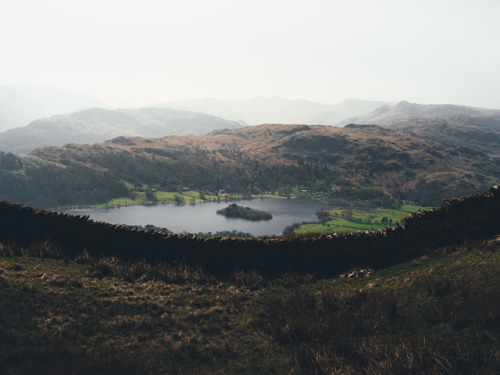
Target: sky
x,y
133,53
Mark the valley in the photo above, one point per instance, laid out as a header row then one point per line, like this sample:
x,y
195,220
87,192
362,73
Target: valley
x,y
252,187
377,281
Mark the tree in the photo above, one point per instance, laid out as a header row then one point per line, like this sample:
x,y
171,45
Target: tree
x,y
151,195
179,199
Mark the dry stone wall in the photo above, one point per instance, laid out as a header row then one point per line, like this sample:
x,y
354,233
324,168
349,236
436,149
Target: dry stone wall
x,y
470,217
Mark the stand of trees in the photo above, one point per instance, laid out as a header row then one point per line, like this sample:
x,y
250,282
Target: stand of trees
x,y
52,186
247,213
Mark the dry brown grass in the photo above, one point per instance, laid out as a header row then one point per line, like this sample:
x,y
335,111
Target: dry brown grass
x,y
438,314
121,326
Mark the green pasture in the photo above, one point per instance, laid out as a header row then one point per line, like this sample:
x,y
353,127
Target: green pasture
x,y
162,197
351,220
34,162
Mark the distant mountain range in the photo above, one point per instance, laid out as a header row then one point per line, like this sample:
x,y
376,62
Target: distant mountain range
x,y
277,110
403,111
20,105
463,126
97,125
476,128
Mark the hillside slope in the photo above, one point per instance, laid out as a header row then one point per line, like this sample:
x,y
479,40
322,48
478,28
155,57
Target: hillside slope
x,y
354,163
435,314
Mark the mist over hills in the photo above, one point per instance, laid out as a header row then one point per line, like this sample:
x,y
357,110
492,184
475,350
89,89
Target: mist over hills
x,y
98,124
393,114
456,125
20,105
277,110
346,109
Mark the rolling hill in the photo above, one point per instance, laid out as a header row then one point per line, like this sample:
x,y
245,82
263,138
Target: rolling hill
x,y
98,124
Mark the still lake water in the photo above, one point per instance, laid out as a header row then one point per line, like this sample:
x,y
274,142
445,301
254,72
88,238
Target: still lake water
x,y
202,217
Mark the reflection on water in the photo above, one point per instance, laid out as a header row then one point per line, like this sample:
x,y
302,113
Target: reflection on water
x,y
202,217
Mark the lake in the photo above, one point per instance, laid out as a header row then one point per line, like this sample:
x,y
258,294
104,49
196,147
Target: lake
x,y
202,217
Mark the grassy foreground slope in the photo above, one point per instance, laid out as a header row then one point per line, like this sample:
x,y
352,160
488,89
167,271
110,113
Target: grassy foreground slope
x,y
437,314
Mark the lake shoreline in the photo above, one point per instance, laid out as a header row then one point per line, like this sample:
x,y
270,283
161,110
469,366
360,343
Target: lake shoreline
x,y
196,218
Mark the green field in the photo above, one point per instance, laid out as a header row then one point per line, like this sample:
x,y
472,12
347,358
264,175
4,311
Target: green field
x,y
162,197
174,197
350,220
34,162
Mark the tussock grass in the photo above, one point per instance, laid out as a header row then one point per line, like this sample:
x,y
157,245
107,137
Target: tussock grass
x,y
439,314
63,317
177,273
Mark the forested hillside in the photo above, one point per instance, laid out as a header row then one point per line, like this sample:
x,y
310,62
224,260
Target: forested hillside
x,y
356,163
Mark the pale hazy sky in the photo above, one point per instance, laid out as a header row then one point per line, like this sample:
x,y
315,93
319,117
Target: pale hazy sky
x,y
129,52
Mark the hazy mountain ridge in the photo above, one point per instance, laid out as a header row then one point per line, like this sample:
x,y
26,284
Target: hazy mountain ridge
x,y
20,105
261,110
98,124
389,115
478,133
477,128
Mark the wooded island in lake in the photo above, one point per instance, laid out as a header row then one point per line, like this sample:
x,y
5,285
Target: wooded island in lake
x,y
233,210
